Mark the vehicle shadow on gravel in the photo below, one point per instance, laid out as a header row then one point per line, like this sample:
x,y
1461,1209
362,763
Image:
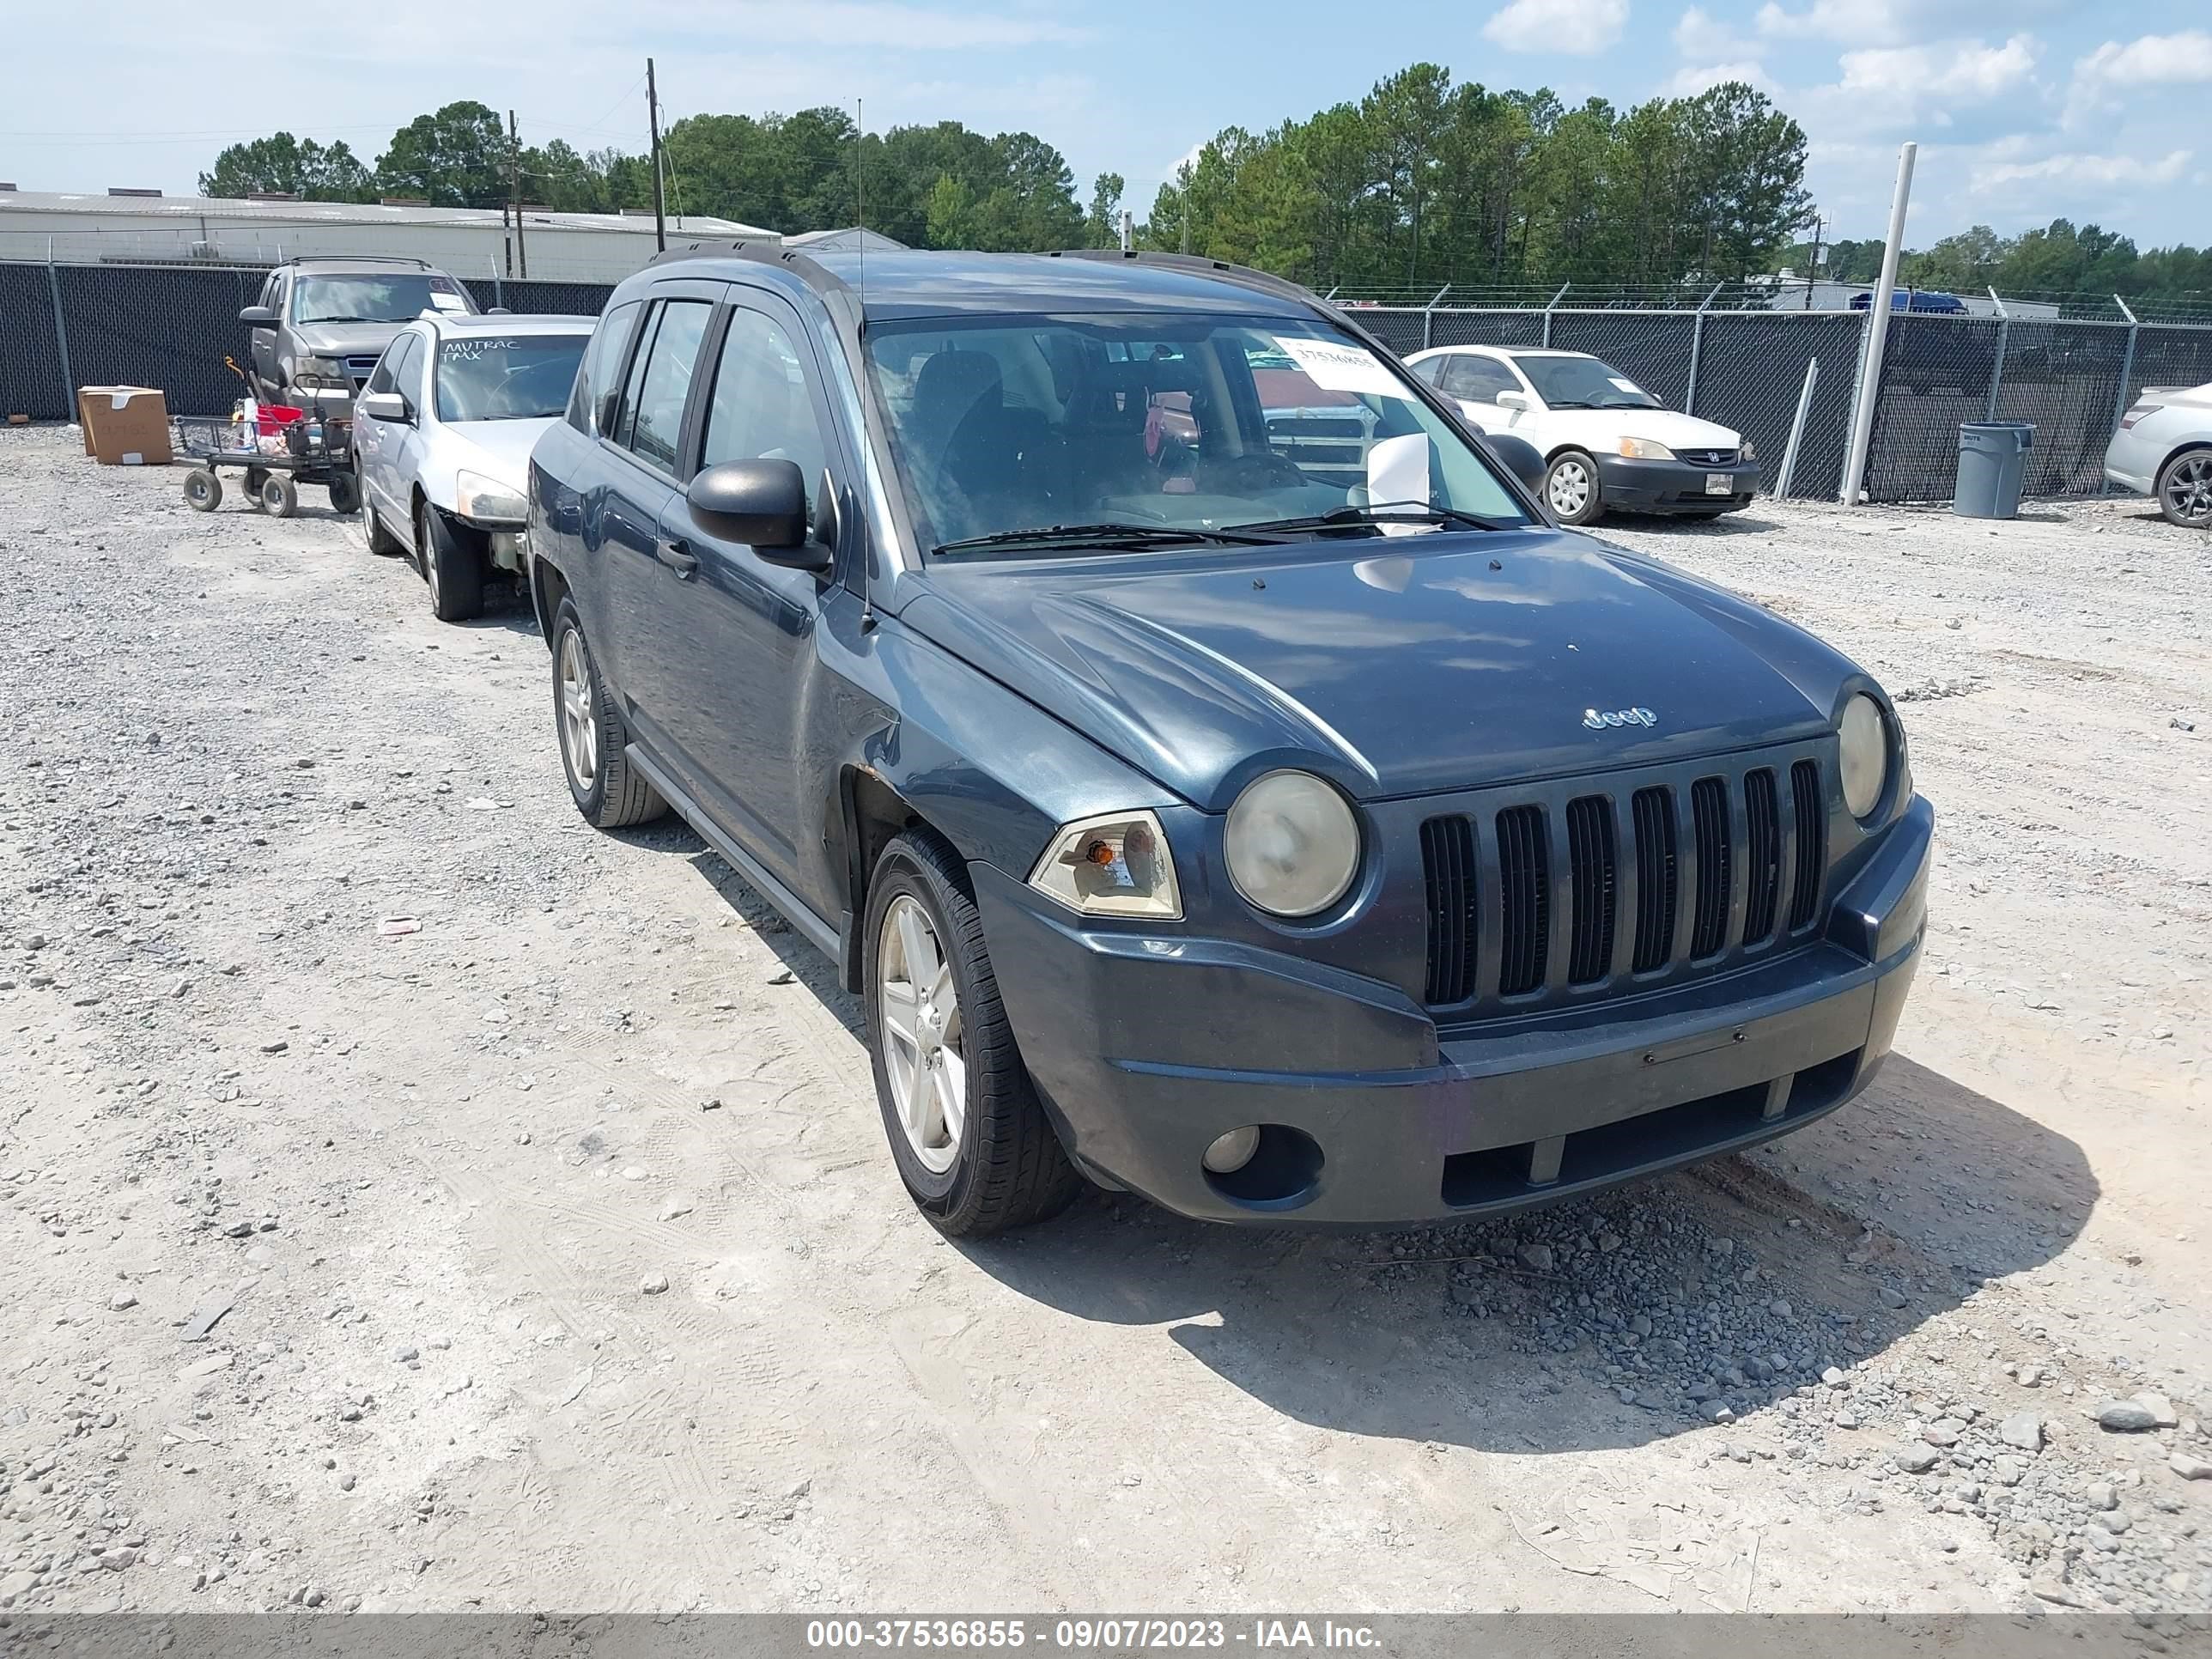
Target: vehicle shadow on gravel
x,y
1612,1321
1616,1319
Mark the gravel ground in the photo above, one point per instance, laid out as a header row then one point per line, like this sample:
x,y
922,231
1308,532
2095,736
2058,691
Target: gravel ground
x,y
416,1200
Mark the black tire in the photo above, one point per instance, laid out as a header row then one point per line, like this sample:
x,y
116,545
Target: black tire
x,y
1008,1168
278,496
255,477
203,490
2185,489
1585,505
451,564
614,794
345,493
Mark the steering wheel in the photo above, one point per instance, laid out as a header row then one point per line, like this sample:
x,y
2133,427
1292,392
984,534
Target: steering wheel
x,y
1254,470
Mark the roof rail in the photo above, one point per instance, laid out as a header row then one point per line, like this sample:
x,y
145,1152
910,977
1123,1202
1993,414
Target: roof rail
x,y
360,260
810,270
1244,276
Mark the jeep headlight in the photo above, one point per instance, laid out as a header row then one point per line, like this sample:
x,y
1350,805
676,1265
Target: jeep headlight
x,y
1117,865
1645,449
320,375
1292,844
476,497
1863,755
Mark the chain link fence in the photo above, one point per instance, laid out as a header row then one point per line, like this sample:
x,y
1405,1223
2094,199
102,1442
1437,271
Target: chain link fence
x,y
1747,370
65,325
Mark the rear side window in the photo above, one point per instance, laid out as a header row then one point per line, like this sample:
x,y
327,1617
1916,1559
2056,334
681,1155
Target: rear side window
x,y
662,383
589,404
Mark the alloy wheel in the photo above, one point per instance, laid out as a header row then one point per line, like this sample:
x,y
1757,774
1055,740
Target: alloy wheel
x,y
1569,488
579,730
2189,489
925,1058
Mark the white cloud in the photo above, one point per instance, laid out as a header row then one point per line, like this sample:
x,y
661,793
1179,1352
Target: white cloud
x,y
1694,78
2080,171
1956,71
2108,74
1703,38
1578,28
1880,21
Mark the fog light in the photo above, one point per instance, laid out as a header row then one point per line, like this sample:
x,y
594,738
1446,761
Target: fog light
x,y
1233,1151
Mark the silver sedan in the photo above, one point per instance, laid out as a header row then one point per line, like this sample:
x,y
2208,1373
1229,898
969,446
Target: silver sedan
x,y
442,437
2164,450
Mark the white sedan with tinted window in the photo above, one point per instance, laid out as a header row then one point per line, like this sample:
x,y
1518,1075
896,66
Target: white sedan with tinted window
x,y
1607,442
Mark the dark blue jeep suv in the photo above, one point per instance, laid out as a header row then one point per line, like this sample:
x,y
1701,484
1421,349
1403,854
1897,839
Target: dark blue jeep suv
x,y
1337,841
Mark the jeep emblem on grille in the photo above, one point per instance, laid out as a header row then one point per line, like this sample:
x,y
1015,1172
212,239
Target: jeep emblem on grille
x,y
1598,722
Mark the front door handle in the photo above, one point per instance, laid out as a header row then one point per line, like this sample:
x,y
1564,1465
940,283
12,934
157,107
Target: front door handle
x,y
679,558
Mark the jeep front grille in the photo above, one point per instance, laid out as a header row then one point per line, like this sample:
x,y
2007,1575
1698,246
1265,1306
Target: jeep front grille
x,y
1605,891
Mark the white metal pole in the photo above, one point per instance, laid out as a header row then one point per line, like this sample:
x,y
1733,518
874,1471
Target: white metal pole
x,y
1878,313
1797,430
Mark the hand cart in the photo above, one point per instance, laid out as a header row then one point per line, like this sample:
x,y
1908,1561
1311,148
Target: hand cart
x,y
278,451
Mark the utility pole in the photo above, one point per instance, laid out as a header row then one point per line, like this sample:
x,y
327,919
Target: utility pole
x,y
1128,230
1813,270
515,192
1185,207
653,120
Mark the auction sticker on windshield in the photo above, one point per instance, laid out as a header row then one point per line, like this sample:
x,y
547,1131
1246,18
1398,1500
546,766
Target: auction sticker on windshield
x,y
1341,366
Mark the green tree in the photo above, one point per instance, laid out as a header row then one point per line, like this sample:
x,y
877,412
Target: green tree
x,y
457,156
1101,223
296,167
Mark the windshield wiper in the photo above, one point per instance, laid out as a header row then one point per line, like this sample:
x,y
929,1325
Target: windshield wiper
x,y
304,321
1567,402
1105,535
1380,512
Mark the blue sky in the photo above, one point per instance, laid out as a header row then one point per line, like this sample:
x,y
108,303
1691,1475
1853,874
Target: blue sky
x,y
2025,112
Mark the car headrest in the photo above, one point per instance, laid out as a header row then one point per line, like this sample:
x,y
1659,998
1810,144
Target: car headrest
x,y
952,383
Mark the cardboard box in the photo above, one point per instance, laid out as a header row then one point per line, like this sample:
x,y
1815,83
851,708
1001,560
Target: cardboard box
x,y
124,425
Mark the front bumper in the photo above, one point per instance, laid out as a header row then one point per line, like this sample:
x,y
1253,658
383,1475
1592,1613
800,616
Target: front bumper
x,y
1148,1048
1632,486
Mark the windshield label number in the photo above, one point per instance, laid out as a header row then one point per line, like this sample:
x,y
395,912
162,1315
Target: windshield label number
x,y
1340,366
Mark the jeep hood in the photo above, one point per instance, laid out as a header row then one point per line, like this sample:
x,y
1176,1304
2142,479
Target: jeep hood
x,y
1397,666
345,339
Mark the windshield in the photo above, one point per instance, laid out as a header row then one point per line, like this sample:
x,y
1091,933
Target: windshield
x,y
1582,383
1167,423
399,298
503,378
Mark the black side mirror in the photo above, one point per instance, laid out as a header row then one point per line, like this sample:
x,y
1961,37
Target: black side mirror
x,y
761,504
1519,458
257,317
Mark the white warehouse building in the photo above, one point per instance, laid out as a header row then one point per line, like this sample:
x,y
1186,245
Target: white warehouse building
x,y
138,228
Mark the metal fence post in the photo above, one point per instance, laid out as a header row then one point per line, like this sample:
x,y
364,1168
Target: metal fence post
x,y
61,339
1548,309
2127,373
1697,347
1997,370
1429,315
1781,491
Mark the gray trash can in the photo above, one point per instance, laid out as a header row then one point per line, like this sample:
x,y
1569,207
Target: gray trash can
x,y
1992,462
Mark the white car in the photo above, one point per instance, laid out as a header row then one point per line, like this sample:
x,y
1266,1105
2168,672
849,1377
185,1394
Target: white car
x,y
1605,441
442,438
2164,449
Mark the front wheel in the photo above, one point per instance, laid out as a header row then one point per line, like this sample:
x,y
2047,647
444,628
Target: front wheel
x,y
2185,489
968,1133
203,490
344,493
1571,489
453,568
278,496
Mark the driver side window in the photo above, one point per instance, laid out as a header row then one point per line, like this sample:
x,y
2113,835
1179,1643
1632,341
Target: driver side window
x,y
1479,380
